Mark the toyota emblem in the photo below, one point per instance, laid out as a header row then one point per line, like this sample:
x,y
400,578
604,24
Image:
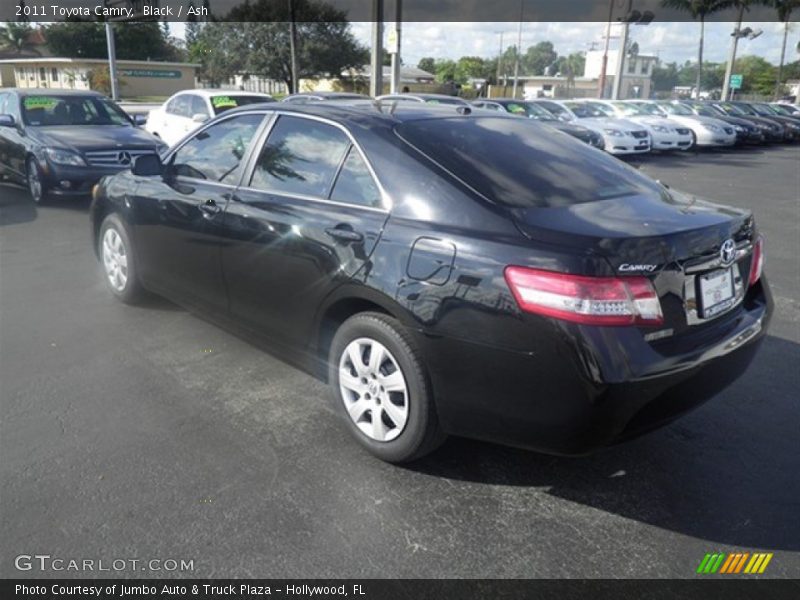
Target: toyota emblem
x,y
727,253
124,158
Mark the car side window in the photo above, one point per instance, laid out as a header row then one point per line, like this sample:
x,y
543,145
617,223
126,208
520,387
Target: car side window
x,y
198,106
179,106
355,184
215,153
301,156
12,107
3,104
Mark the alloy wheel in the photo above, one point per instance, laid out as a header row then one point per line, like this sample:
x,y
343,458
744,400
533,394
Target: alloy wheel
x,y
34,181
115,259
373,389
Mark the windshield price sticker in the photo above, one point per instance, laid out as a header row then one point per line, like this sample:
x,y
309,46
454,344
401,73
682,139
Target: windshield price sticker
x,y
33,102
223,102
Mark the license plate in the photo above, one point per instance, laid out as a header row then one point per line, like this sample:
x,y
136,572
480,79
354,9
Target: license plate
x,y
716,292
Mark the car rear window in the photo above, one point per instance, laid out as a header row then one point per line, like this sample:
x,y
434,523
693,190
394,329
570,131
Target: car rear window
x,y
222,102
522,164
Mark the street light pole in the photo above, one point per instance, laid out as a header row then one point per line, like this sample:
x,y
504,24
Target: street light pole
x,y
112,62
726,85
293,48
376,64
519,48
601,85
623,48
396,58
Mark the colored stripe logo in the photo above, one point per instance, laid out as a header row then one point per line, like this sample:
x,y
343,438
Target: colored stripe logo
x,y
734,563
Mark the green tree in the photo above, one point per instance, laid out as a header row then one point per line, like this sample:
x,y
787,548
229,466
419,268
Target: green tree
x,y
445,70
537,58
134,41
427,64
325,44
16,37
712,75
221,50
665,78
468,67
758,73
698,10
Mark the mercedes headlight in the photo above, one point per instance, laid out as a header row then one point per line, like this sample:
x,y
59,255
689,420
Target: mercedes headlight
x,y
64,157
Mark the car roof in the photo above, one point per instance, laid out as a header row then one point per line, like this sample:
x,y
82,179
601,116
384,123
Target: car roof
x,y
52,92
209,93
367,112
423,96
326,95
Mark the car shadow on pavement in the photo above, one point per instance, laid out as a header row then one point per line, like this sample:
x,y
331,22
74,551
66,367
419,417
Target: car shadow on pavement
x,y
727,473
15,205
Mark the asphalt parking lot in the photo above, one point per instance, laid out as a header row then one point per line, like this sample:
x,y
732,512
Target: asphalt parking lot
x,y
148,433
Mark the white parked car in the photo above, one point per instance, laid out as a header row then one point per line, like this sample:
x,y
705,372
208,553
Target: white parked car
x,y
185,111
666,134
707,131
621,136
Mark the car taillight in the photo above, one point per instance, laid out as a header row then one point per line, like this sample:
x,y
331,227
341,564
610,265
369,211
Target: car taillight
x,y
589,300
757,261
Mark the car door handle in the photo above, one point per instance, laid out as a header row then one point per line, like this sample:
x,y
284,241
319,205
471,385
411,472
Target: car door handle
x,y
209,208
344,235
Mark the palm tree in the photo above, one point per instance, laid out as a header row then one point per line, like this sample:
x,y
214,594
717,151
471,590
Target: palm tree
x,y
698,9
16,37
784,9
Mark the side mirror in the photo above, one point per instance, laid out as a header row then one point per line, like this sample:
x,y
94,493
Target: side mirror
x,y
139,120
200,118
7,121
147,165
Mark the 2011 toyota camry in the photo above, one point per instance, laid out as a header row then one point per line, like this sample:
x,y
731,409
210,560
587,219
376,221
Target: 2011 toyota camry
x,y
446,271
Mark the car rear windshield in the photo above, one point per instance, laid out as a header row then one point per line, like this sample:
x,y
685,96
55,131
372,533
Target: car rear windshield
x,y
51,110
222,103
522,164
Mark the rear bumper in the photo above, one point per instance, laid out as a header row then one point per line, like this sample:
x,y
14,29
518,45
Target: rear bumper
x,y
585,388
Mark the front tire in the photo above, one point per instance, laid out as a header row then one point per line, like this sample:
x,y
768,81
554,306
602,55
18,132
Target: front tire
x,y
381,389
35,181
119,263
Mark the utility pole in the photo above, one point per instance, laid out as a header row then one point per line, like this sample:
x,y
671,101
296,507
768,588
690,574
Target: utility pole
x,y
519,48
376,80
396,54
779,81
293,48
112,62
623,50
499,61
601,85
726,85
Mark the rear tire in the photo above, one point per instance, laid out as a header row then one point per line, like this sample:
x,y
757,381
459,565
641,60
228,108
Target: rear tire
x,y
118,260
381,388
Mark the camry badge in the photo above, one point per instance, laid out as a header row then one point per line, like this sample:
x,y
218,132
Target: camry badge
x,y
727,253
629,268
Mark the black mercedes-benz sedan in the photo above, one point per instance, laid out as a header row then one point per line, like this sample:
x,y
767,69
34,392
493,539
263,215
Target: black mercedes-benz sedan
x,y
531,110
60,143
446,271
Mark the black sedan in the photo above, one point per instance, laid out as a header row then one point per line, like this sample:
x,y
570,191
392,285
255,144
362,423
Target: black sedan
x,y
61,143
530,110
445,271
773,130
747,132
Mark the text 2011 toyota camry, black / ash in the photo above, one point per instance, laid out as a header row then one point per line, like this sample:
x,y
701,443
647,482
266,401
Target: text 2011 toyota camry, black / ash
x,y
446,272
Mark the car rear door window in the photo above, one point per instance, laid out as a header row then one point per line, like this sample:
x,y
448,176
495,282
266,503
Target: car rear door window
x,y
301,156
355,184
198,106
215,153
180,106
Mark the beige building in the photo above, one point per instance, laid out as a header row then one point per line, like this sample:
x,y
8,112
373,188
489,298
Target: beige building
x,y
136,77
637,72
